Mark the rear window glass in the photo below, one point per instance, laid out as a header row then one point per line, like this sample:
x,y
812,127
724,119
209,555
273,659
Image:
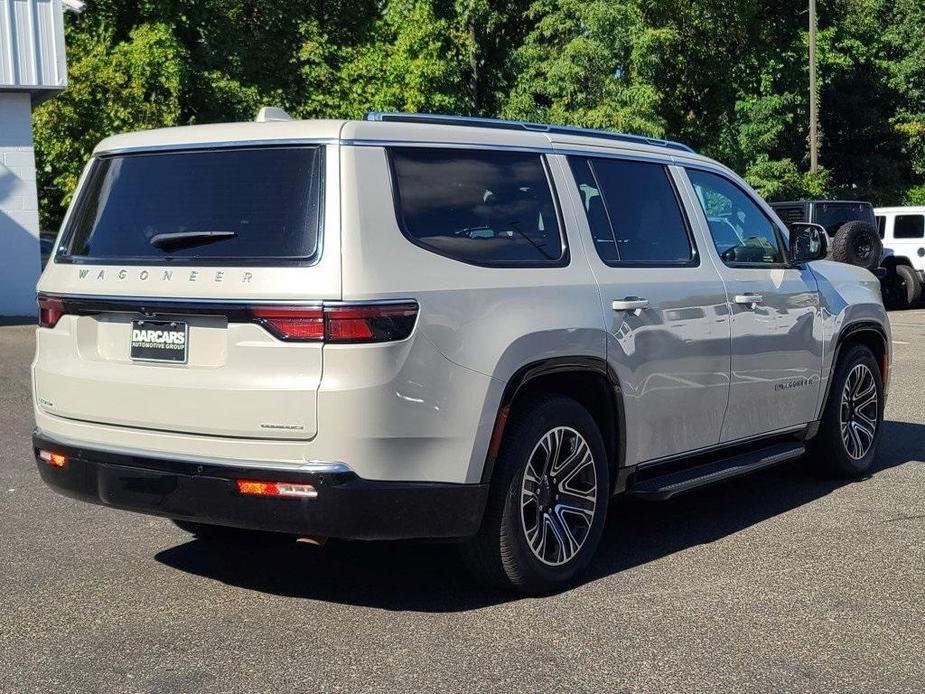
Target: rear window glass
x,y
909,226
633,212
200,206
832,215
480,207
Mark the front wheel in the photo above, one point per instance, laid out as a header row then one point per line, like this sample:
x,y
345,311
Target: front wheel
x,y
849,433
548,500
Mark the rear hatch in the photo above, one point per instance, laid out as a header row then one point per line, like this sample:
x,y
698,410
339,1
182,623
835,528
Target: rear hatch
x,y
158,308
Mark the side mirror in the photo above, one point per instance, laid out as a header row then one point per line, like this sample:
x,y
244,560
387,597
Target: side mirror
x,y
808,242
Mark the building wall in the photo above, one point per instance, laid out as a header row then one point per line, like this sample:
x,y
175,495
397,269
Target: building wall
x,y
20,260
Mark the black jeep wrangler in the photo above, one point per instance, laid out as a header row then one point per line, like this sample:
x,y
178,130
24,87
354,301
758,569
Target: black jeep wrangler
x,y
855,239
851,226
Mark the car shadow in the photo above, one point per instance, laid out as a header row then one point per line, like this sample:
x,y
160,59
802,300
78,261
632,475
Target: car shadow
x,y
424,577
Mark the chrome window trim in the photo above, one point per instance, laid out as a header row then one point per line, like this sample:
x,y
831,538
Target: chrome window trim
x,y
216,144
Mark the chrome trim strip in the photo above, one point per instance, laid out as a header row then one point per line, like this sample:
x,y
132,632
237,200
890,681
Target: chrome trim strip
x,y
601,151
136,299
456,145
219,144
316,466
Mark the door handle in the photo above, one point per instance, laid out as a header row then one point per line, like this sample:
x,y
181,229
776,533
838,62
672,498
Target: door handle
x,y
749,299
631,303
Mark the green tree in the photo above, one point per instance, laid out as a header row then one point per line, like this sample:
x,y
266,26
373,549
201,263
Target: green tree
x,y
131,85
578,66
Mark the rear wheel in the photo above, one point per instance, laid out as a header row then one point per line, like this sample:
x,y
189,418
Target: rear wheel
x,y
846,444
548,500
909,290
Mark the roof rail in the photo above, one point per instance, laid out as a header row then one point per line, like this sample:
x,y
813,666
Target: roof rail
x,y
472,121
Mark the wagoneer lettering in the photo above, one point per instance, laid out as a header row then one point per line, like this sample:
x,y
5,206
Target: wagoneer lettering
x,y
441,328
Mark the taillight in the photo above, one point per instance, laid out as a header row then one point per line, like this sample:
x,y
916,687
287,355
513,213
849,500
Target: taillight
x,y
343,324
369,323
50,311
292,323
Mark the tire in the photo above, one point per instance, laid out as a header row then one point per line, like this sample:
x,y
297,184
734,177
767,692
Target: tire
x,y
857,243
224,533
525,502
909,291
830,453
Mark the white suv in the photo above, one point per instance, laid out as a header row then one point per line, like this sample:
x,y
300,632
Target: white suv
x,y
434,327
903,232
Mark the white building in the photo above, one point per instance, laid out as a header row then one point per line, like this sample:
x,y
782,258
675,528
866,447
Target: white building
x,y
32,69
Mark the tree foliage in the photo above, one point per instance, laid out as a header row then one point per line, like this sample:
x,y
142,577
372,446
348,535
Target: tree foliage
x,y
727,76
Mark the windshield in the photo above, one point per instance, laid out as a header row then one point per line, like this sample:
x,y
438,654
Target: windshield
x,y
199,206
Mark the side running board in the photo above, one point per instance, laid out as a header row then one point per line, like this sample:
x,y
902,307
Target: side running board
x,y
666,485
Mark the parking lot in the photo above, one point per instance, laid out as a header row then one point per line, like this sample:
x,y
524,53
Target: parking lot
x,y
772,583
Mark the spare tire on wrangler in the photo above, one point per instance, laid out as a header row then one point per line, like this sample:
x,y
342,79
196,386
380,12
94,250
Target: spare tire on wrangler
x,y
857,243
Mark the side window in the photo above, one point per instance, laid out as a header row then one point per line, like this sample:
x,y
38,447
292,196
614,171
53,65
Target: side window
x,y
741,232
633,212
594,208
881,225
909,226
480,207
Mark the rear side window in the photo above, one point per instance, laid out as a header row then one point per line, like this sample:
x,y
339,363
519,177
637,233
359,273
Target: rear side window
x,y
881,226
909,226
480,207
633,212
230,205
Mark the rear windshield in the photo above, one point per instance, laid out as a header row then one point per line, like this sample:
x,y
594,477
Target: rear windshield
x,y
832,215
231,205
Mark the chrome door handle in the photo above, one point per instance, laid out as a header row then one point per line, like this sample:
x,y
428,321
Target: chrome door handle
x,y
749,299
631,303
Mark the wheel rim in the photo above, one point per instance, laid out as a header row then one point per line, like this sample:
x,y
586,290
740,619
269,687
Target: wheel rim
x,y
859,411
863,248
558,496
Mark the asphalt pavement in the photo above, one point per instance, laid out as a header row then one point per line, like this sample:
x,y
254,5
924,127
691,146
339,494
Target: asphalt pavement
x,y
772,583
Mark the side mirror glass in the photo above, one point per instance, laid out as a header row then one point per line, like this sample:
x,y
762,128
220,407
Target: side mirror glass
x,y
808,242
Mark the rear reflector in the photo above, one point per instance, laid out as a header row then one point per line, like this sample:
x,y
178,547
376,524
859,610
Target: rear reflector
x,y
50,311
53,459
257,488
344,324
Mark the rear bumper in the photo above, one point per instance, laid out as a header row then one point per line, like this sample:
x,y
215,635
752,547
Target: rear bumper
x,y
347,506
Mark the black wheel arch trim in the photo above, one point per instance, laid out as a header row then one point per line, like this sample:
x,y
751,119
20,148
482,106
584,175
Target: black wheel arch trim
x,y
597,366
844,336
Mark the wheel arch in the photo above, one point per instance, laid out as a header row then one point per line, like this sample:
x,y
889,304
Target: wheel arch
x,y
588,380
868,333
891,261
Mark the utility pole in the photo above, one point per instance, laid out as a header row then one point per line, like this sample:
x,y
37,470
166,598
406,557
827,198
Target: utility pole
x,y
813,106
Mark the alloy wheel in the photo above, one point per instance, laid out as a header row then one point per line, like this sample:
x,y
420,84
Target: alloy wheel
x,y
558,496
859,411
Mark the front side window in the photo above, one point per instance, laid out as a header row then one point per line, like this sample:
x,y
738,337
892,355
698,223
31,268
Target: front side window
x,y
909,226
480,207
633,212
226,205
742,232
881,226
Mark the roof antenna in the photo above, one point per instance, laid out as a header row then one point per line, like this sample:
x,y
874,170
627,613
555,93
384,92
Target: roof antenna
x,y
270,114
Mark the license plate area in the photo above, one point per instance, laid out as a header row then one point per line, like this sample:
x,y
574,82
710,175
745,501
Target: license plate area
x,y
160,341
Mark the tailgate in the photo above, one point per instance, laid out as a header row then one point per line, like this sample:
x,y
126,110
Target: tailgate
x,y
236,378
